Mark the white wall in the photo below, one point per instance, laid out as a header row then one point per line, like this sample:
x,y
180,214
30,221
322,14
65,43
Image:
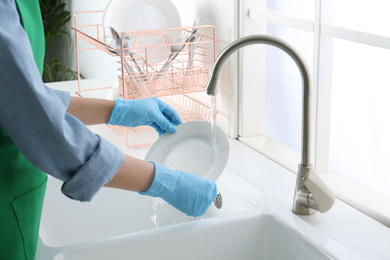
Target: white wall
x,y
93,64
223,14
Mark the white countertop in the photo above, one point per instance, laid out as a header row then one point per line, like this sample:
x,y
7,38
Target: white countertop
x,y
354,230
365,237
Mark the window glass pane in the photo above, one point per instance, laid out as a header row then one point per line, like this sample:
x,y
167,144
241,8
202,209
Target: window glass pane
x,y
360,121
283,112
303,9
368,16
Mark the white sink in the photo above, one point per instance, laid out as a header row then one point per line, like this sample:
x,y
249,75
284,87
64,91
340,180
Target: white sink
x,y
254,235
125,225
113,212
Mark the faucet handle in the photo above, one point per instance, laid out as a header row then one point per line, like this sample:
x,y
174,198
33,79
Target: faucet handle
x,y
323,196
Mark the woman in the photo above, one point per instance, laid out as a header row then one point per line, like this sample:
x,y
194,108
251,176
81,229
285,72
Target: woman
x,y
43,131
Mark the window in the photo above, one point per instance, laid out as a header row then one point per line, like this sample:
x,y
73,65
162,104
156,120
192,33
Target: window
x,y
346,44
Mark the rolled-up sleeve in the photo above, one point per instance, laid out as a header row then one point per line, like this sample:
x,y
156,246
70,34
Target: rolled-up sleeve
x,y
64,96
36,119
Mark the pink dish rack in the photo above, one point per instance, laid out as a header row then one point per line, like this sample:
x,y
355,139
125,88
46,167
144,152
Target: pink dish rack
x,y
182,84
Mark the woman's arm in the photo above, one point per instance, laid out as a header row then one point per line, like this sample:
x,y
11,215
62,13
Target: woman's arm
x,y
130,113
91,111
56,142
134,175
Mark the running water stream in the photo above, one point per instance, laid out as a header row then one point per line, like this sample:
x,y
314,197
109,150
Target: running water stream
x,y
214,145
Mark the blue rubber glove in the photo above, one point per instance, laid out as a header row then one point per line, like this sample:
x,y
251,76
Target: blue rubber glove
x,y
185,191
150,112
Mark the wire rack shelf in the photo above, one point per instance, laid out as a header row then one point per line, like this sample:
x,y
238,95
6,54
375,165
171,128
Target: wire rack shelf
x,y
146,68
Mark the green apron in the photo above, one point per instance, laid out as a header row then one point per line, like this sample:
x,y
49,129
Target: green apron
x,y
22,186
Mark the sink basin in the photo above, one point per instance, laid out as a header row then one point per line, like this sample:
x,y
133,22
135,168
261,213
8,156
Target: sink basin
x,y
113,212
255,235
124,225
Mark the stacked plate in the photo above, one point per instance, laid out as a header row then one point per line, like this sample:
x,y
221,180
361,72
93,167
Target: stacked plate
x,y
141,15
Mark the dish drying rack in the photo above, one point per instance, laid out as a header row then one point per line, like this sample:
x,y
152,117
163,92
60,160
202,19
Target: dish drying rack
x,y
181,85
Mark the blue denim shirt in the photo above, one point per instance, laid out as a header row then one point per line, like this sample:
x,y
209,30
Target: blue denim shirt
x,y
36,119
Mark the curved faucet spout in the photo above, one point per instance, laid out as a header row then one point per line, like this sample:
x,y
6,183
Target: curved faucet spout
x,y
300,205
269,40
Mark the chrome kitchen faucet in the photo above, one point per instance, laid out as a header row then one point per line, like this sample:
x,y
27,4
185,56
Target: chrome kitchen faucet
x,y
311,193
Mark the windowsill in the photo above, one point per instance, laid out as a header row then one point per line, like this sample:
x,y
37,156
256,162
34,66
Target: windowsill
x,y
365,200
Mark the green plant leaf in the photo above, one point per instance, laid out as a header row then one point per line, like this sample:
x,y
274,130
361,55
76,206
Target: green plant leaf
x,y
57,72
55,17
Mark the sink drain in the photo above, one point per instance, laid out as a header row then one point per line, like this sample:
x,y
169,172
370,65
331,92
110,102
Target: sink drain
x,y
218,200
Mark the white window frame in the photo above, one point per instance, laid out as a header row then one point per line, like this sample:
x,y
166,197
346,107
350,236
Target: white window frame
x,y
368,201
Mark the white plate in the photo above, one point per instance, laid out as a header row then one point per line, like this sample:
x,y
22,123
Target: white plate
x,y
190,149
141,15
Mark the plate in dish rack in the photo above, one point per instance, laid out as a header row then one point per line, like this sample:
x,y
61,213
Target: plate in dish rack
x,y
191,149
141,15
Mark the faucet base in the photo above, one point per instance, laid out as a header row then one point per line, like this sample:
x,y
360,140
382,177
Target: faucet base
x,y
304,211
301,204
311,193
299,207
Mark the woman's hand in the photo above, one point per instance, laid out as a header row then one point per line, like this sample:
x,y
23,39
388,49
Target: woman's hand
x,y
150,112
185,191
